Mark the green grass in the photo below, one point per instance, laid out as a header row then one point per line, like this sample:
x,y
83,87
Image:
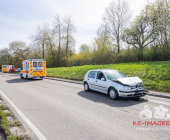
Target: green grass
x,y
155,75
17,72
4,125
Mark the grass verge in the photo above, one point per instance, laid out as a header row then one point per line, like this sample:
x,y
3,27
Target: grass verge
x,y
4,125
155,75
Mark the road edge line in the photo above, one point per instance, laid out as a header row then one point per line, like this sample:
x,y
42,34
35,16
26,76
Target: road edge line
x,y
29,123
65,80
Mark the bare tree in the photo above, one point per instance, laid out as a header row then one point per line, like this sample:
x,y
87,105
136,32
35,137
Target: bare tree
x,y
116,17
70,29
40,37
103,45
58,31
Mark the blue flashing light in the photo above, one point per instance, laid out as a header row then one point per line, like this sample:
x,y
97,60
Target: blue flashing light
x,y
30,59
44,60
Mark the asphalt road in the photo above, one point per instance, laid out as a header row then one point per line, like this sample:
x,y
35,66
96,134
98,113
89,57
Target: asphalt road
x,y
63,111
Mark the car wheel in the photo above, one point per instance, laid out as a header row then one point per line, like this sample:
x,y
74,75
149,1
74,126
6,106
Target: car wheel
x,y
21,76
86,87
113,94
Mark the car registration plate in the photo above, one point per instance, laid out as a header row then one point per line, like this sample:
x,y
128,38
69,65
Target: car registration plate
x,y
139,92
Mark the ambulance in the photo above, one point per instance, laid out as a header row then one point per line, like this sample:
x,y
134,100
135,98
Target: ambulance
x,y
33,69
6,68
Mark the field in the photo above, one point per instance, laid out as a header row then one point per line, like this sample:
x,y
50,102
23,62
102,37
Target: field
x,y
155,75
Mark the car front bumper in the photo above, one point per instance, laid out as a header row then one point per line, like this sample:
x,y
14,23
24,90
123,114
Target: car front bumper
x,y
134,93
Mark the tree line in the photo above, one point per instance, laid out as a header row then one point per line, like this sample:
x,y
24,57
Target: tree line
x,y
54,44
118,39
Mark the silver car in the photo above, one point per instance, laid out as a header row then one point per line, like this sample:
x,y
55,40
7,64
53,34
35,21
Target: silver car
x,y
113,83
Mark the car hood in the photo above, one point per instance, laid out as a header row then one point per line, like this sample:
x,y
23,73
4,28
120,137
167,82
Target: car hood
x,y
130,81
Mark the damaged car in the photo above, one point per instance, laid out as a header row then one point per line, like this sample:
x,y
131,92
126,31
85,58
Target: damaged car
x,y
113,83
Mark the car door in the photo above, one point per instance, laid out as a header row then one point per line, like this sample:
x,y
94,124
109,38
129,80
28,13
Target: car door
x,y
92,79
100,84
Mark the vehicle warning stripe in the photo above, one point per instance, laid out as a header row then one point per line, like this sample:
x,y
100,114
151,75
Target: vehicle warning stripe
x,y
44,68
31,71
38,73
24,71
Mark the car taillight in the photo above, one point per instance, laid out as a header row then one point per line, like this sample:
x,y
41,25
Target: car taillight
x,y
83,78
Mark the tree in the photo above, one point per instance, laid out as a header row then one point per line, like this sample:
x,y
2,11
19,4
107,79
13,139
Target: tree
x,y
69,29
19,51
5,57
116,18
141,33
103,46
162,9
84,48
59,32
40,38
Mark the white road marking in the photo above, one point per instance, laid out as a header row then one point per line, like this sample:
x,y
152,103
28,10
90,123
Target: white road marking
x,y
159,102
33,128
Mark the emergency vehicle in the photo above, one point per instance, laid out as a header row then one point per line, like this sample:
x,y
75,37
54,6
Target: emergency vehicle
x,y
6,68
33,69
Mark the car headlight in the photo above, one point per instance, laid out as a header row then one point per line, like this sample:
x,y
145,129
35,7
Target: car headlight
x,y
127,88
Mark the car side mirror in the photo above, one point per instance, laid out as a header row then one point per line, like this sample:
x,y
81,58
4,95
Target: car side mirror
x,y
102,79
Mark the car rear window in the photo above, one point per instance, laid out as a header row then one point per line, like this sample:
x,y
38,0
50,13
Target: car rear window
x,y
4,67
92,74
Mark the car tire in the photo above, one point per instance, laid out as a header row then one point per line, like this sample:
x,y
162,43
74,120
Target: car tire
x,y
86,87
113,94
21,76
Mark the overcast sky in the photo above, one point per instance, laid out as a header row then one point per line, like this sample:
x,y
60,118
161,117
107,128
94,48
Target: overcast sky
x,y
19,18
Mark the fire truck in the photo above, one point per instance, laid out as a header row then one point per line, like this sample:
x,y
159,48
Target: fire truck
x,y
6,68
33,69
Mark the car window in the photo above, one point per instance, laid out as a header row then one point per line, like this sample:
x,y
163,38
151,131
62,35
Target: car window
x,y
112,75
100,75
4,67
92,74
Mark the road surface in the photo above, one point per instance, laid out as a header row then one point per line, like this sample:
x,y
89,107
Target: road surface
x,y
63,111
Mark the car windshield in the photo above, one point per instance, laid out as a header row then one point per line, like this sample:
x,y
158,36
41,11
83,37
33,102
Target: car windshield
x,y
113,75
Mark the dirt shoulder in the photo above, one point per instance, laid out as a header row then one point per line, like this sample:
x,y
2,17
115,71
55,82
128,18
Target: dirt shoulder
x,y
10,127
